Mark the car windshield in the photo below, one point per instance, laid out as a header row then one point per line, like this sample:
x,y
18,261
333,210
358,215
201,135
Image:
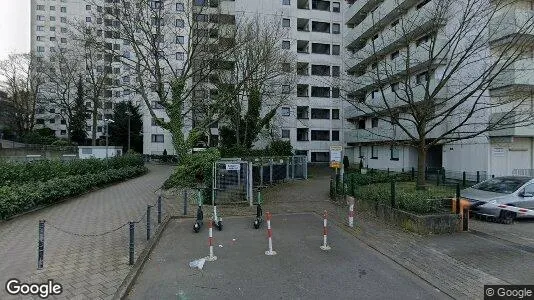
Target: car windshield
x,y
503,185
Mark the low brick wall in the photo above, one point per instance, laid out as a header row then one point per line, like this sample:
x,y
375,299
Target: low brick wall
x,y
422,224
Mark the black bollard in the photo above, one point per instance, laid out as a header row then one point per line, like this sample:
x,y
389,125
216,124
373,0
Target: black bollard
x,y
185,202
159,210
132,242
458,198
148,209
40,243
392,193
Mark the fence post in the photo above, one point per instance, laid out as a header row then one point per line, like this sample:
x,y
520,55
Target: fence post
x,y
148,209
185,202
464,179
402,170
40,245
287,168
492,175
426,173
337,182
292,167
261,171
478,176
465,219
437,178
413,173
159,209
444,176
331,188
458,198
132,242
392,193
270,171
388,171
305,166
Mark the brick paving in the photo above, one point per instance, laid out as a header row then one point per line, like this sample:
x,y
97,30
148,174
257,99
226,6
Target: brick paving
x,y
88,267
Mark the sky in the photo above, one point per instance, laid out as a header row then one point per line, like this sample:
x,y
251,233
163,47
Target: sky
x,y
14,27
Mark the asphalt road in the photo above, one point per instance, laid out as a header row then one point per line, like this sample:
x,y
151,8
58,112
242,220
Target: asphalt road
x,y
300,270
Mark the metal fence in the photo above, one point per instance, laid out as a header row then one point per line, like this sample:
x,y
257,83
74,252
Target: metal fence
x,y
269,170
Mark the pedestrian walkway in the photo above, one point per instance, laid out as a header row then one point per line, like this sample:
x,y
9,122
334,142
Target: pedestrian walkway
x,y
88,266
458,264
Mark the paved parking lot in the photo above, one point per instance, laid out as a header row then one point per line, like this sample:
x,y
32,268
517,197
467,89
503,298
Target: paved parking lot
x,y
520,232
300,270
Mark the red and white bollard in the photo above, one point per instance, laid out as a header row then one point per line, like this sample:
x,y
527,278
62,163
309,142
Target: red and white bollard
x,y
325,246
211,257
350,202
270,235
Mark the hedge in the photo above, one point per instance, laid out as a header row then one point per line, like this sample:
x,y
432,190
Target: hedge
x,y
376,177
16,199
407,197
42,170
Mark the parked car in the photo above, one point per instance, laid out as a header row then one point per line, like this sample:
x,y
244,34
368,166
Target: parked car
x,y
510,190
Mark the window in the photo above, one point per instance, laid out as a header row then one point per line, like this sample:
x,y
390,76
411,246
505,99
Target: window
x,y
63,9
179,7
286,67
53,28
63,20
40,49
286,45
421,78
335,92
52,8
88,7
335,49
52,18
422,40
285,133
302,90
40,7
374,94
361,124
394,55
394,87
320,113
302,112
336,28
39,38
286,111
179,40
286,89
360,153
286,23
179,23
286,2
40,18
374,152
88,128
158,138
40,28
63,121
180,56
322,92
335,6
335,71
63,132
52,121
302,134
155,121
335,114
320,156
394,153
335,135
88,19
320,70
374,122
99,129
318,48
320,135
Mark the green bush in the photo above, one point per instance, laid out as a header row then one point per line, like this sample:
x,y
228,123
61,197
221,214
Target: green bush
x,y
376,177
407,197
275,148
43,170
16,199
194,170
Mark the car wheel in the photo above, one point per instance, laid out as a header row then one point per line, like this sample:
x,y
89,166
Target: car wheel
x,y
507,217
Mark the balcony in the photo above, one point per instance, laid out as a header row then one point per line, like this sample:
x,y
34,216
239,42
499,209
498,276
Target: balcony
x,y
520,73
525,129
510,23
357,12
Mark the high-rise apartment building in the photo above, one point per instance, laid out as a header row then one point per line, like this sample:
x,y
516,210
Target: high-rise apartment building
x,y
405,60
311,119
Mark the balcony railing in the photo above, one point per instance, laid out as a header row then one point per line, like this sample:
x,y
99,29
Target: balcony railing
x,y
511,22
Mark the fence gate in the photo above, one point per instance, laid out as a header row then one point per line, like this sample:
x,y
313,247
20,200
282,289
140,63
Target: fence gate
x,y
232,182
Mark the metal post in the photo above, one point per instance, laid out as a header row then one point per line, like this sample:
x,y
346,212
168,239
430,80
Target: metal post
x,y
388,171
464,179
292,167
444,176
261,171
185,202
492,175
337,182
148,209
402,170
465,219
437,178
332,193
270,171
305,166
426,173
129,114
107,134
159,209
287,168
458,198
413,173
40,245
392,192
132,242
478,176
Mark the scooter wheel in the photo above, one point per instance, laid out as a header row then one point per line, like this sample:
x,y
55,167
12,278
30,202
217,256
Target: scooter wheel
x,y
256,224
219,225
196,228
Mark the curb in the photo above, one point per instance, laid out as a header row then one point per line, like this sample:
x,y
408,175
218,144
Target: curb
x,y
128,282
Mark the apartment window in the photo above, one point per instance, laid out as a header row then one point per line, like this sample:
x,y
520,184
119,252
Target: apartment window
x,y
88,19
394,55
63,29
158,138
374,152
179,23
335,114
52,121
361,124
286,67
40,28
63,40
302,112
336,7
302,90
335,49
374,94
394,153
63,9
179,7
88,128
422,40
52,8
374,122
320,70
286,89
52,18
286,111
320,113
286,23
180,40
360,152
40,18
53,28
63,19
63,121
285,133
302,68
321,5
88,7
335,135
39,38
286,45
335,92
322,92
335,71
321,27
286,2
40,7
336,28
421,4
422,78
320,156
302,134
320,135
180,56
318,48
99,129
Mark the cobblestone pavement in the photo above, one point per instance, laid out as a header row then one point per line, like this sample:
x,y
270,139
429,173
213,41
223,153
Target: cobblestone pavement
x,y
458,264
88,267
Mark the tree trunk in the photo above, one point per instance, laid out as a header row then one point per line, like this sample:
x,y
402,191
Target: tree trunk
x,y
421,165
95,115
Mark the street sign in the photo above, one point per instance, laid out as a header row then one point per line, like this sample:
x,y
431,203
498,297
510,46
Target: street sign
x,y
335,156
233,167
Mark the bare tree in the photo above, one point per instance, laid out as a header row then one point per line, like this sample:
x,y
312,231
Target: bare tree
x,y
21,80
447,78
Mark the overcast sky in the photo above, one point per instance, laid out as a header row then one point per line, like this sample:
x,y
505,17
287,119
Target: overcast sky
x,y
14,26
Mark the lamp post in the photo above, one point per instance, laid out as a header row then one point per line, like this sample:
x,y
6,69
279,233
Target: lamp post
x,y
107,121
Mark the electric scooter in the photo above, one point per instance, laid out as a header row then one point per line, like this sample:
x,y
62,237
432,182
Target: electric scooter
x,y
259,211
217,222
200,214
